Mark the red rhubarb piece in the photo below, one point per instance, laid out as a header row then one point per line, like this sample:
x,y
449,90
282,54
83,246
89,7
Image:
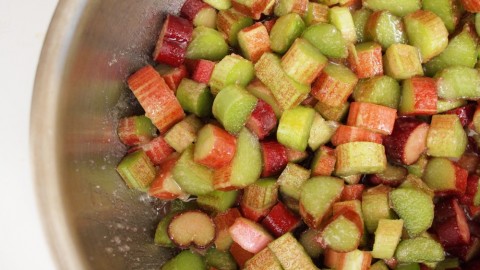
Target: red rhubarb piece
x,y
464,113
352,192
280,220
157,150
466,252
254,10
450,224
249,235
240,255
200,70
164,186
371,116
175,76
367,63
471,5
215,147
173,41
223,221
191,8
274,158
262,120
346,134
424,91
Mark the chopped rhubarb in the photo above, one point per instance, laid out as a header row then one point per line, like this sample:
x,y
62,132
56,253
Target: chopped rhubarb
x,y
249,235
274,158
280,220
346,134
172,43
200,70
223,221
334,85
374,117
471,5
135,130
254,41
192,228
419,96
215,147
352,192
164,186
450,224
157,150
252,9
464,113
262,120
240,255
445,177
365,59
258,198
173,75
324,161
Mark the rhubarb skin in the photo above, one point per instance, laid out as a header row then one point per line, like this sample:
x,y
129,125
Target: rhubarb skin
x,y
280,220
366,59
262,120
419,96
173,40
450,224
223,221
274,158
249,235
407,141
371,116
346,134
157,150
156,98
200,69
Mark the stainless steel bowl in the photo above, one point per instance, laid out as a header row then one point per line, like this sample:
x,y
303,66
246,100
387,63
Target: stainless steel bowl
x,y
92,220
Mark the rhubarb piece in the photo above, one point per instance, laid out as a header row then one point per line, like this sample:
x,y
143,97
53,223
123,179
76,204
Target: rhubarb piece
x,y
156,98
407,141
258,198
184,133
365,59
172,75
249,235
469,162
417,183
262,120
240,255
290,253
247,155
308,241
217,201
217,259
343,231
450,224
418,168
164,186
321,132
280,220
200,70
427,32
317,197
274,158
254,41
419,250
191,228
381,90
393,176
444,177
342,19
375,206
294,127
185,260
287,92
286,29
232,106
380,265
458,82
334,85
467,252
252,9
283,7
231,70
414,207
351,158
303,62
161,235
172,42
192,177
135,130
137,170
402,61
448,10
471,5
207,43
464,113
419,96
352,192
360,18
385,28
265,259
327,39
195,97
371,116
230,22
157,150
316,13
446,137
223,221
199,13
262,92
292,179
323,162
444,105
399,8
387,237
357,260
219,4
346,134
215,147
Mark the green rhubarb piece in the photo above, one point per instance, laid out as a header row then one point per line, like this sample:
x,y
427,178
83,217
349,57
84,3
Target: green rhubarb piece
x,y
393,174
427,32
332,113
342,19
262,194
446,136
328,39
317,197
415,182
287,92
206,43
351,158
399,8
144,128
195,97
221,260
402,61
321,132
308,239
232,69
381,90
137,170
284,7
284,32
386,29
303,62
440,174
184,133
458,82
185,260
375,206
444,105
265,259
261,91
360,18
294,127
418,168
230,22
461,51
206,17
192,177
232,107
387,237
448,10
219,4
415,208
217,201
291,254
316,13
341,235
379,265
161,234
291,180
419,250
409,266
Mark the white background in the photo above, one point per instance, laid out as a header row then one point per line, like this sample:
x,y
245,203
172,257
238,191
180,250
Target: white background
x,y
23,25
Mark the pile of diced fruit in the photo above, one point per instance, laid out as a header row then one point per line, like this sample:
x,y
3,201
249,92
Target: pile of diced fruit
x,y
288,134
